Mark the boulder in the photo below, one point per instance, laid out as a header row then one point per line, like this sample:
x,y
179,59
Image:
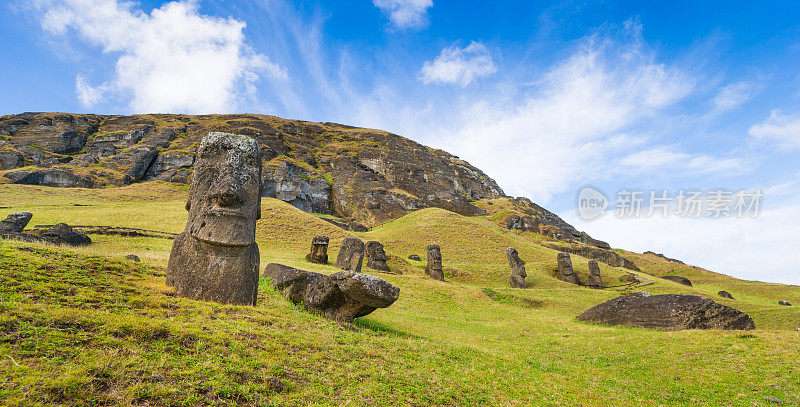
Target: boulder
x,y
376,256
725,294
319,250
565,271
595,278
15,223
216,257
668,312
62,234
414,257
434,266
518,273
351,254
629,278
785,303
342,296
133,258
678,279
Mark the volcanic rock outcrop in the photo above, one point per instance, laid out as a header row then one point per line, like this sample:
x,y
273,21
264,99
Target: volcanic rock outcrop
x,y
678,279
668,312
518,273
342,296
216,256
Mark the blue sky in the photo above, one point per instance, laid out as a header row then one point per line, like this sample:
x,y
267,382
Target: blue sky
x,y
546,97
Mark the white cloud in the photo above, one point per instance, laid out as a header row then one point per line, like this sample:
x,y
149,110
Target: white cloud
x,y
732,96
405,13
780,128
171,60
664,157
459,65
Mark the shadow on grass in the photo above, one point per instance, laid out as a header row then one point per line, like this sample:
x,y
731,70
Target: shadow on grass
x,y
382,329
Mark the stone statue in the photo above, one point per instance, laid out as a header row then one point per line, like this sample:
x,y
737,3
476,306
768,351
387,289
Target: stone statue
x,y
376,256
565,272
319,250
351,254
216,256
434,267
595,279
517,268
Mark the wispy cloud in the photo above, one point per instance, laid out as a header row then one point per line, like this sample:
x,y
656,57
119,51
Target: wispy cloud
x,y
732,96
663,157
405,13
460,66
171,60
779,128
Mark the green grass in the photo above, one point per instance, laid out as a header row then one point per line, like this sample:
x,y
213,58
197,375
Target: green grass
x,y
84,326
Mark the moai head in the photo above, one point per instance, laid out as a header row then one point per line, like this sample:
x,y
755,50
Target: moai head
x,y
375,251
517,264
564,263
224,197
319,250
434,257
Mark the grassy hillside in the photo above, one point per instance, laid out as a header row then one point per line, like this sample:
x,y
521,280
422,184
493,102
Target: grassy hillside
x,y
84,326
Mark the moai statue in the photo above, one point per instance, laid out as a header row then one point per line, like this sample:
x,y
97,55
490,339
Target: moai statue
x,y
517,268
319,250
595,279
376,256
351,254
565,272
216,256
434,267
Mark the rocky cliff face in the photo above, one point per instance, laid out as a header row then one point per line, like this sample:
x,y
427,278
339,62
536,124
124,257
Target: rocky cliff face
x,y
366,176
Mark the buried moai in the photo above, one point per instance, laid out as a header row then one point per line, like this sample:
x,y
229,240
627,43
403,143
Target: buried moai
x,y
319,250
376,256
517,268
434,267
216,256
351,254
565,271
595,279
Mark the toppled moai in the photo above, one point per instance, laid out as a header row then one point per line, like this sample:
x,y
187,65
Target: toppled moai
x,y
595,279
518,273
351,254
216,256
565,271
434,267
319,250
376,256
342,296
15,223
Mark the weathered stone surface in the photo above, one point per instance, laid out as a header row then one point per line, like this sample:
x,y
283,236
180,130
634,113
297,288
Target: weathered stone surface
x,y
518,273
565,271
678,279
668,312
414,257
342,296
51,177
216,257
604,256
304,190
434,266
595,278
725,294
133,258
629,278
62,234
15,223
785,303
11,159
319,250
351,254
376,256
169,163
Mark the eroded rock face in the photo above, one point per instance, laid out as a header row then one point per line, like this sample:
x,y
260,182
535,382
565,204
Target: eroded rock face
x,y
434,266
376,256
595,278
216,257
518,273
294,184
565,271
351,254
669,312
15,223
679,280
11,159
725,294
342,296
319,250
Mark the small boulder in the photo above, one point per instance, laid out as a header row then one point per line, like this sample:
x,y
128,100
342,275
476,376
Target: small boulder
x,y
565,271
518,273
133,258
15,223
434,266
376,256
595,278
725,294
319,250
513,222
63,234
678,279
667,311
351,254
414,257
629,278
784,303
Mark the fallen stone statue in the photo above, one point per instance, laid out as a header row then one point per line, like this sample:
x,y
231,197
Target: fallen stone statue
x,y
342,296
216,256
13,226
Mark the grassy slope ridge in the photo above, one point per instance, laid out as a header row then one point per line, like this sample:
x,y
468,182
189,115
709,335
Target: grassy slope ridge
x,y
84,326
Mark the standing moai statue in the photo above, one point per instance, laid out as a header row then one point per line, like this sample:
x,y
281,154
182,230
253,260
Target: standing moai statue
x,y
351,254
517,268
216,256
434,267
565,272
319,250
595,279
376,256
